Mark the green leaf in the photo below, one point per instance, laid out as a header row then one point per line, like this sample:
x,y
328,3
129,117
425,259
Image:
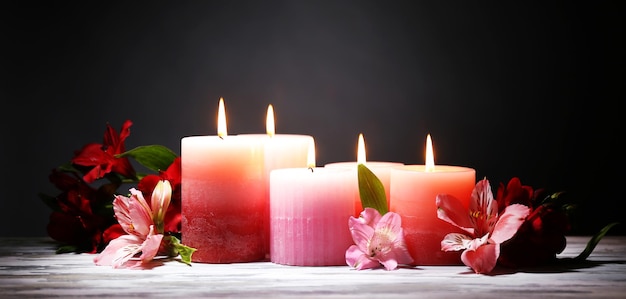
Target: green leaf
x,y
371,190
184,251
591,245
66,249
51,202
153,157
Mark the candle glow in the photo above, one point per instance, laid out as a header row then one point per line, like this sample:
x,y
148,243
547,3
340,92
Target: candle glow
x,y
269,121
221,119
361,158
430,157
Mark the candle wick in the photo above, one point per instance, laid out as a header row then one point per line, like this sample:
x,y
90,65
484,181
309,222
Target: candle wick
x,y
311,168
221,137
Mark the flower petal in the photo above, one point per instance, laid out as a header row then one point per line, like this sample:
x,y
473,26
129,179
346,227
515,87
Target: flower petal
x,y
121,207
119,251
509,222
357,259
483,259
361,233
369,216
483,208
150,246
455,242
451,210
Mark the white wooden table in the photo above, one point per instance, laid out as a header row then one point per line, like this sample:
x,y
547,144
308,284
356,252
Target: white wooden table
x,y
29,268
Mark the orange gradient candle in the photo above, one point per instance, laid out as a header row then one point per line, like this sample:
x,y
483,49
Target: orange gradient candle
x,y
414,189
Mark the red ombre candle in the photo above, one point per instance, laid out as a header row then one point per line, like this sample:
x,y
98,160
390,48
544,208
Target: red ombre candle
x,y
414,189
224,202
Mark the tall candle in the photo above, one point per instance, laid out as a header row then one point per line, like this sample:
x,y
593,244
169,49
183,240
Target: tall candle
x,y
223,197
309,212
381,169
414,189
280,151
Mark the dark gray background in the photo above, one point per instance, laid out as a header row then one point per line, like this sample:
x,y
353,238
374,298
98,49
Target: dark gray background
x,y
513,88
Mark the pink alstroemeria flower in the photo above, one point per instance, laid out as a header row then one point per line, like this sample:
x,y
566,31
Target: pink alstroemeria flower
x,y
144,225
486,229
379,240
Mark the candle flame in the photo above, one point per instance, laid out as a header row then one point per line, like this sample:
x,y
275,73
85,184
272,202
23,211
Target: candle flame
x,y
360,157
269,121
221,120
430,157
310,158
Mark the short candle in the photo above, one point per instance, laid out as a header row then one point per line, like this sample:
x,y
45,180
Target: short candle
x,y
414,189
381,169
309,212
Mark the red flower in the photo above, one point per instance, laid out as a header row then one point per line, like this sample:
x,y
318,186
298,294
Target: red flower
x,y
542,236
173,175
101,157
76,221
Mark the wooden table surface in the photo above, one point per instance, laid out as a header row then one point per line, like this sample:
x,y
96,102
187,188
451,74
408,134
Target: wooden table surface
x,y
29,268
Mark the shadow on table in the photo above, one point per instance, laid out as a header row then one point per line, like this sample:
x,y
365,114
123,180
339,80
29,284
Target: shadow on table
x,y
559,266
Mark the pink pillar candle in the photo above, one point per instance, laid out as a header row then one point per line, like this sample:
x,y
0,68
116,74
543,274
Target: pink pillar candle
x,y
381,169
224,214
413,194
309,212
282,150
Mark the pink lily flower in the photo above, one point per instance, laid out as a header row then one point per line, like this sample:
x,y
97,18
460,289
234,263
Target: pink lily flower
x,y
379,241
485,227
143,224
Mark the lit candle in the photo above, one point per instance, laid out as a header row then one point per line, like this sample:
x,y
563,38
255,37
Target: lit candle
x,y
381,169
413,192
224,214
309,212
280,151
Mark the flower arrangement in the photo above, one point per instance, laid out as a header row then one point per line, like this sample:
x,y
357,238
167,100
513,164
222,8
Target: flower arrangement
x,y
518,227
89,215
515,229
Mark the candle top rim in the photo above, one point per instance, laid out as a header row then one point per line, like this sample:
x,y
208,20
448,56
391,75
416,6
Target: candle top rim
x,y
438,168
315,169
249,135
368,163
277,135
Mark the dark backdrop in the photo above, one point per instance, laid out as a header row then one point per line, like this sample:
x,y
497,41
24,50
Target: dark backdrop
x,y
512,88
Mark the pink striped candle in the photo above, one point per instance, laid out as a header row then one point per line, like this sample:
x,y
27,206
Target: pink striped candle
x,y
309,212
